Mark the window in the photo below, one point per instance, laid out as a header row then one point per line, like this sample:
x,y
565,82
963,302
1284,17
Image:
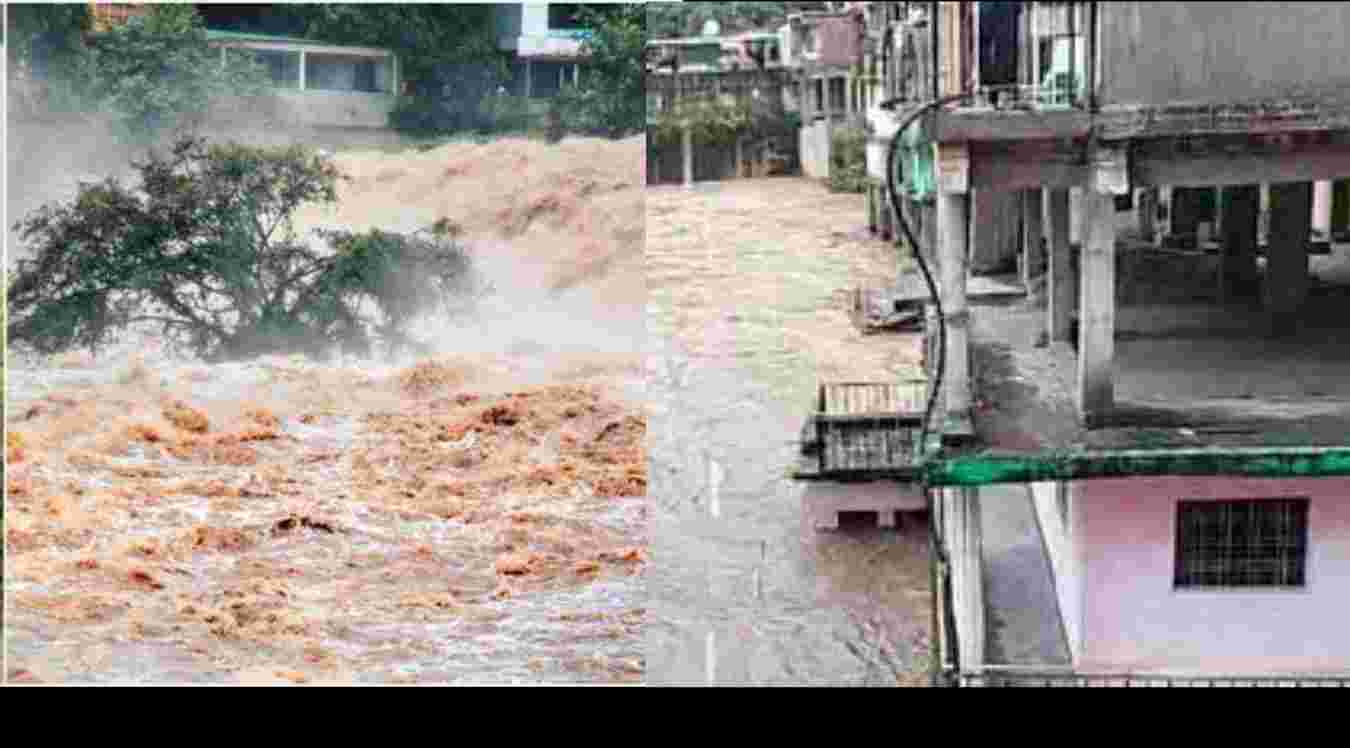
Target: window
x,y
332,72
1060,51
1248,543
282,66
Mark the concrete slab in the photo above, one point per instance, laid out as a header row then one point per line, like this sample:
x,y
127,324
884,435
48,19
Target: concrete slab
x,y
823,502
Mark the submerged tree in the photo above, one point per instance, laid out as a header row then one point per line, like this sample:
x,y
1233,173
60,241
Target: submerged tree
x,y
205,249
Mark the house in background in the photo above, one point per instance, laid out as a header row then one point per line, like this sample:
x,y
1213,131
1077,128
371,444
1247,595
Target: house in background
x,y
316,83
746,69
545,41
1141,467
319,84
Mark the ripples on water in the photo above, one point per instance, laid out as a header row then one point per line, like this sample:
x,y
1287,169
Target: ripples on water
x,y
744,284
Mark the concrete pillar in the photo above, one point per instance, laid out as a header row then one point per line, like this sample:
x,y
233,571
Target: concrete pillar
x,y
1097,309
965,545
302,70
953,217
1032,234
1340,206
1321,207
1241,208
1286,281
1060,291
687,152
1075,215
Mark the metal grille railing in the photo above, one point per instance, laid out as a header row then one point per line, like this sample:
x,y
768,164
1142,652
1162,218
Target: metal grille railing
x,y
1047,678
1025,96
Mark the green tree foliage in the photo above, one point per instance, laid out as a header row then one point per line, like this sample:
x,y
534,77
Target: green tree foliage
x,y
848,160
45,57
159,70
44,30
204,248
611,99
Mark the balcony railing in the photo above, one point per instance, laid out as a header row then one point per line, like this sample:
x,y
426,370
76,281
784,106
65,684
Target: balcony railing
x,y
1031,677
1025,96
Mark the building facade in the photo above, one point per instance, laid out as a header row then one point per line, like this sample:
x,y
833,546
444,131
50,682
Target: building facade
x,y
1154,434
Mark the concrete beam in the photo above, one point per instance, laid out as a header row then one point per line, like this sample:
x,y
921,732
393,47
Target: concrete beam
x,y
1008,174
953,219
1097,309
1286,281
962,126
1162,167
1060,296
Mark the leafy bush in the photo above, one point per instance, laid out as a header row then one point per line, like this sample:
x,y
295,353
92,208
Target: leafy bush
x,y
205,249
611,99
159,71
848,160
711,119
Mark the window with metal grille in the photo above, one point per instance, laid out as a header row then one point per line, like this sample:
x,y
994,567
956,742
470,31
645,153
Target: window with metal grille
x,y
1246,543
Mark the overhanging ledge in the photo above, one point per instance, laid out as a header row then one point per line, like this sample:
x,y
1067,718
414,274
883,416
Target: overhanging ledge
x,y
1273,462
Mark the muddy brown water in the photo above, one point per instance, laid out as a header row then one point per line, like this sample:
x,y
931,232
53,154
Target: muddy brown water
x,y
747,286
309,570
368,591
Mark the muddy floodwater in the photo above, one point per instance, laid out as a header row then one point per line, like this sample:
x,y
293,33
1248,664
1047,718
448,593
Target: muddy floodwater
x,y
474,514
748,286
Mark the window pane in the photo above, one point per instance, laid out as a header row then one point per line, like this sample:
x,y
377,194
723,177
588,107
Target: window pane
x,y
1250,543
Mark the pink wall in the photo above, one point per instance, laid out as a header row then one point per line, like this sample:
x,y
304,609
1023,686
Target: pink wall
x,y
1124,533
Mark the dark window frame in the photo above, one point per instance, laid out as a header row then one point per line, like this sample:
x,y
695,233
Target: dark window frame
x,y
1242,544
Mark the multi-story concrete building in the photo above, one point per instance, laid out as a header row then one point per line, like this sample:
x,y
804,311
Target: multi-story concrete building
x,y
545,41
1143,466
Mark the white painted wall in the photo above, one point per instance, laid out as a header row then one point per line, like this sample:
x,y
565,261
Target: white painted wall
x,y
1065,564
961,536
1134,620
814,150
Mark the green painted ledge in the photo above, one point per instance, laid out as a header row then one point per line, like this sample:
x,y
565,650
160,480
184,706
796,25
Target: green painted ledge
x,y
1273,462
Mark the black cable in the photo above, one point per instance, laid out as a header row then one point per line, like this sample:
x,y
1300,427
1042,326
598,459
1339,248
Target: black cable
x,y
918,253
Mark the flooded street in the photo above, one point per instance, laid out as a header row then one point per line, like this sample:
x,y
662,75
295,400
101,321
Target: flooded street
x,y
747,295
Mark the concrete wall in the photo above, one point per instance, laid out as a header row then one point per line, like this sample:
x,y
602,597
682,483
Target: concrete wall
x,y
814,150
1156,53
1065,561
1135,620
335,108
996,218
959,511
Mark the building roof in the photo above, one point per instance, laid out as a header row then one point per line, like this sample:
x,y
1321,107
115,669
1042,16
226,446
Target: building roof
x,y
243,37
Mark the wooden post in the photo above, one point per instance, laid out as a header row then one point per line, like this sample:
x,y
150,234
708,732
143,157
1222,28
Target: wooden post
x,y
1061,288
1097,308
1286,283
